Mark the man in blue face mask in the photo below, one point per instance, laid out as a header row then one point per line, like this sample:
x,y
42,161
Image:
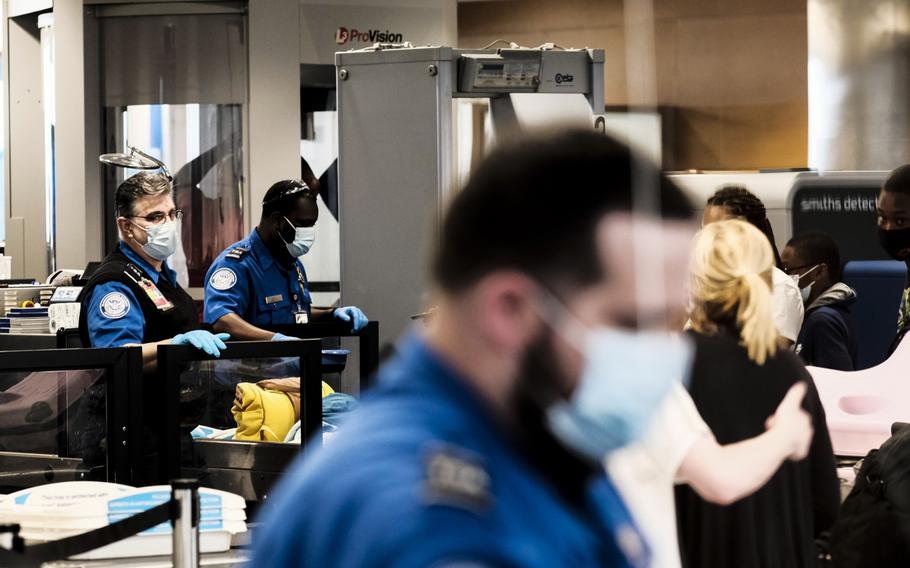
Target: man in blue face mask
x,y
260,281
482,443
133,297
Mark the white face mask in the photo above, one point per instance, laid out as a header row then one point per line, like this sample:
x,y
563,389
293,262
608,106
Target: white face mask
x,y
806,291
162,240
304,237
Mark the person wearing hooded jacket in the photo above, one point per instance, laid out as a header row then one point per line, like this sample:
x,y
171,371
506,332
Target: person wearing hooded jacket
x,y
827,338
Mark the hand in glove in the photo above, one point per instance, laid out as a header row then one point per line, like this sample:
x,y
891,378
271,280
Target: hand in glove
x,y
211,343
283,337
352,314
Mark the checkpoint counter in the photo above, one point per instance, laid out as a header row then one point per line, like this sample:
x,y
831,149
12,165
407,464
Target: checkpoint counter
x,y
220,424
195,416
78,414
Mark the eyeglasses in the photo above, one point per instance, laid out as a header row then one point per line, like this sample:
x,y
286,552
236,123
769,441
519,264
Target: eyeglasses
x,y
793,270
159,218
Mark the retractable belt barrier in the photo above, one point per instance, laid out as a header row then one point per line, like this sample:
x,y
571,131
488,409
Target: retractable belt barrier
x,y
185,550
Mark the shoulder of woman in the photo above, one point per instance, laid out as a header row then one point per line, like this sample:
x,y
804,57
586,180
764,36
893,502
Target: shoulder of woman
x,y
713,349
790,361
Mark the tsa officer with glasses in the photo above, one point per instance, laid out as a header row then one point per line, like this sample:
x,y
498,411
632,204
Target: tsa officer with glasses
x,y
260,280
134,298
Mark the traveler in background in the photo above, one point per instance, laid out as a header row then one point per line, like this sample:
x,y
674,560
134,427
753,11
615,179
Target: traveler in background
x,y
827,338
739,375
894,235
680,448
736,202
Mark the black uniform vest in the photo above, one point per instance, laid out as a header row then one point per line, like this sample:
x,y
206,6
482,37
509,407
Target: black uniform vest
x,y
160,324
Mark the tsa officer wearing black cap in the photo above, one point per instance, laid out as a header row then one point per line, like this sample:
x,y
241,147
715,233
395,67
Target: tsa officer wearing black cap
x,y
260,280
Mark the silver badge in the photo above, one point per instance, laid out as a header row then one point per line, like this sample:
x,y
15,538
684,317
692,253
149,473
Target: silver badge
x,y
114,305
457,477
223,279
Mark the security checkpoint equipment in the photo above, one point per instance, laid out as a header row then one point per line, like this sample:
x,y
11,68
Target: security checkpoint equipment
x,y
862,406
402,141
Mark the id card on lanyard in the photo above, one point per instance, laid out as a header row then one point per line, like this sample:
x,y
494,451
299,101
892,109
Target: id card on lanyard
x,y
155,295
300,314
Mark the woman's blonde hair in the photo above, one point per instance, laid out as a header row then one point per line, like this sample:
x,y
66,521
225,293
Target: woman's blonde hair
x,y
731,285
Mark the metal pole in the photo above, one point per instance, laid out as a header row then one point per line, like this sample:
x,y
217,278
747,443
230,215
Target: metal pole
x,y
185,500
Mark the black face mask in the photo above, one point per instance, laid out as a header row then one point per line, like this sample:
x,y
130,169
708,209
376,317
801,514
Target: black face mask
x,y
896,243
536,389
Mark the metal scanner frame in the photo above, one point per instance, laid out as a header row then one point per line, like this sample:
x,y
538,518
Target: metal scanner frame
x,y
123,371
172,358
396,170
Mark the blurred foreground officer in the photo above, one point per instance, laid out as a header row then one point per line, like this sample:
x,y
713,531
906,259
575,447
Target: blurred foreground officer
x,y
894,235
134,297
482,444
260,280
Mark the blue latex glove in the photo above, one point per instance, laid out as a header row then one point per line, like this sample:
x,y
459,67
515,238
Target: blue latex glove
x,y
203,340
351,313
283,337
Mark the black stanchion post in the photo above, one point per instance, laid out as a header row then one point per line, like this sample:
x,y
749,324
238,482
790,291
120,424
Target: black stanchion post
x,y
185,499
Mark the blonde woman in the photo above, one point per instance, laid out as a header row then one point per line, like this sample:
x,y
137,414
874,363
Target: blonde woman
x,y
739,376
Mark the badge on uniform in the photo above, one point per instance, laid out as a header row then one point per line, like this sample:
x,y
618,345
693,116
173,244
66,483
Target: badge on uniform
x,y
114,305
223,279
155,295
301,317
456,477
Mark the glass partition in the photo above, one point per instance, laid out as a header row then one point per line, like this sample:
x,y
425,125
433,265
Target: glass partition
x,y
174,83
202,145
236,422
66,416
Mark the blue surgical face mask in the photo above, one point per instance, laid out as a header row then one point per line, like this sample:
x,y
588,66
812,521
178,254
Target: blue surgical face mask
x,y
162,240
626,376
304,237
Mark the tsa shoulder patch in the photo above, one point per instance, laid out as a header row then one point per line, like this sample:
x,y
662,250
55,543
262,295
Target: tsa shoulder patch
x,y
115,305
223,279
456,477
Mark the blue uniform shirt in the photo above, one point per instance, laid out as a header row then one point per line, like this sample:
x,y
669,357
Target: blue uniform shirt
x,y
114,315
421,475
246,280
